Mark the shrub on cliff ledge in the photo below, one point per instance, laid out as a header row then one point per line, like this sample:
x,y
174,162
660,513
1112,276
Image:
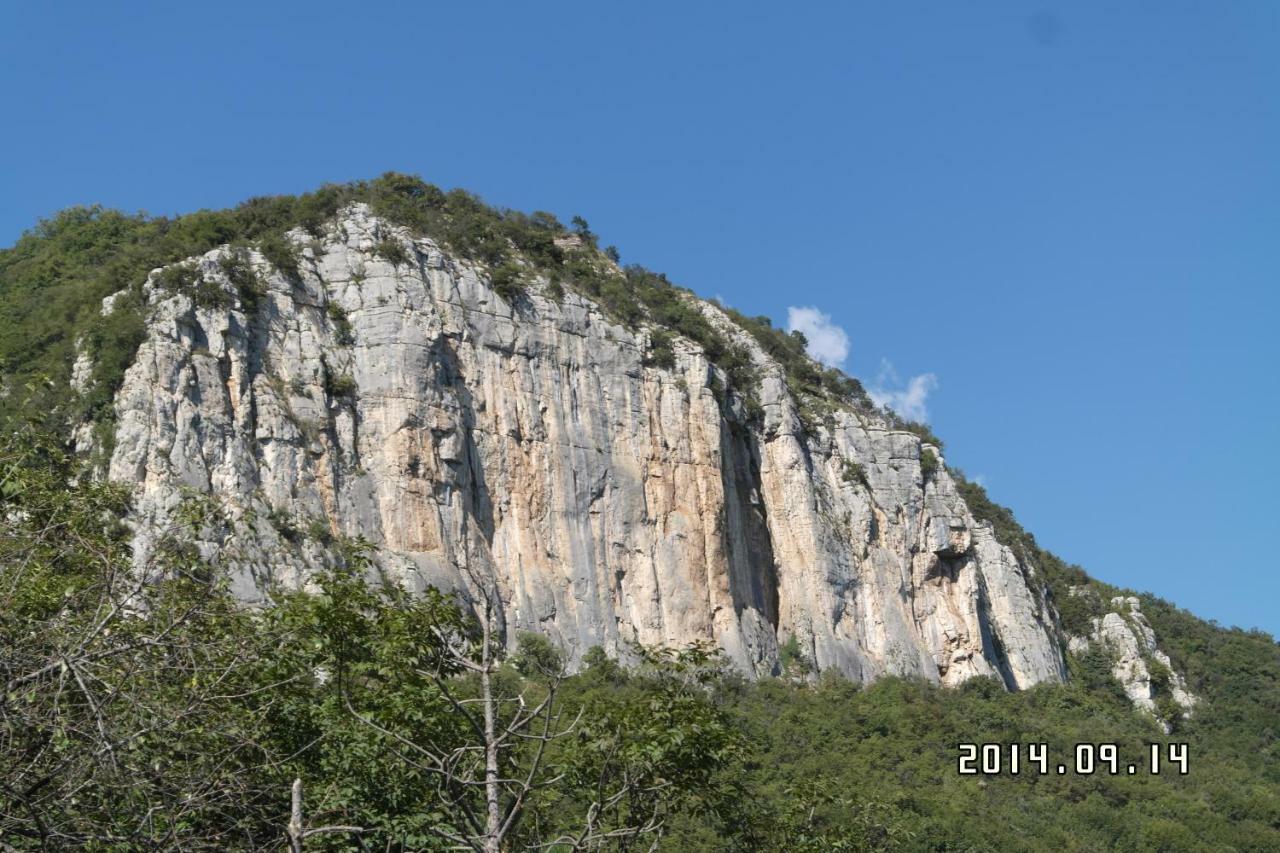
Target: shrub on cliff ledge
x,y
928,463
340,386
343,332
239,271
507,282
281,254
392,252
660,354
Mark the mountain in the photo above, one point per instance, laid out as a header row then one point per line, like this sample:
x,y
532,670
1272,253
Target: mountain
x,y
530,439
495,408
502,403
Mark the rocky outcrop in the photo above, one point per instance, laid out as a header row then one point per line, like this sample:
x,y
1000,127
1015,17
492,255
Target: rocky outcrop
x,y
1143,670
527,446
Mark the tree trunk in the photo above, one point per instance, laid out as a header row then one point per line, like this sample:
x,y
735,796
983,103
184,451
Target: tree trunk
x,y
493,823
295,817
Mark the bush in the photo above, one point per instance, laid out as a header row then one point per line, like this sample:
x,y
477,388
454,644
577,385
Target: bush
x,y
187,278
281,254
239,271
343,333
792,659
340,387
284,525
211,294
507,283
319,530
178,278
1077,610
392,252
583,230
921,431
660,354
854,473
928,463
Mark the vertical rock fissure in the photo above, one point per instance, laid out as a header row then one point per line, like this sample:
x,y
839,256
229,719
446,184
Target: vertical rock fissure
x,y
992,646
473,482
753,573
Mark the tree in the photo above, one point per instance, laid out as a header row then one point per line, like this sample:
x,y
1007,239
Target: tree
x,y
653,748
495,762
494,755
122,720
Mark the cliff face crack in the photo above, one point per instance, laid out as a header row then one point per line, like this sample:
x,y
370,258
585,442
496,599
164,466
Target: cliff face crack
x,y
473,482
992,644
752,571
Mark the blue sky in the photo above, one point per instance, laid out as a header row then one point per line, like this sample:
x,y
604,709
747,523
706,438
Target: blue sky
x,y
1061,221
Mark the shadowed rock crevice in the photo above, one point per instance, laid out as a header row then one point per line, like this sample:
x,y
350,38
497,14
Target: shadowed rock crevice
x,y
992,645
752,571
470,467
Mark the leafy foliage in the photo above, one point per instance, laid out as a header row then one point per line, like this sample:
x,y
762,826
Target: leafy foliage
x,y
144,709
507,281
853,472
238,270
1077,609
281,254
921,431
343,332
661,353
392,252
874,769
130,716
929,464
339,386
791,658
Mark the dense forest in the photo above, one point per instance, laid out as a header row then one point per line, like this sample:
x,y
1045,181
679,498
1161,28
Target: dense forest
x,y
145,709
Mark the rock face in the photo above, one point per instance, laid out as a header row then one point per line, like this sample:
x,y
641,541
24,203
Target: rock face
x,y
527,446
1142,669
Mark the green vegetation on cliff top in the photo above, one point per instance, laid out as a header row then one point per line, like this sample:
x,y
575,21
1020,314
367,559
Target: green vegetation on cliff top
x,y
53,280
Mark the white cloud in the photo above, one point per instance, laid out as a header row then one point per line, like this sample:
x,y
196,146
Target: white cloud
x,y
828,343
908,400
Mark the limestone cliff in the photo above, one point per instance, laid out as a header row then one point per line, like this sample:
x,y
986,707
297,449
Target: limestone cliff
x,y
1138,664
473,440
